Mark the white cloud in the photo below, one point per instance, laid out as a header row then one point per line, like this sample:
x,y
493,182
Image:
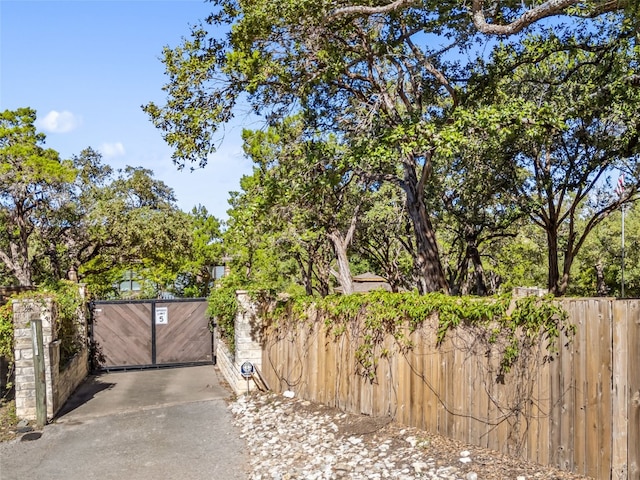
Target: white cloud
x,y
112,149
59,122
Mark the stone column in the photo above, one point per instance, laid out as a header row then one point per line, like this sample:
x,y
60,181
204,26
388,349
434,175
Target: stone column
x,y
248,332
25,382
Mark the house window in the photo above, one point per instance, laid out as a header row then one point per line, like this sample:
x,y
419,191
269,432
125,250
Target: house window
x,y
128,283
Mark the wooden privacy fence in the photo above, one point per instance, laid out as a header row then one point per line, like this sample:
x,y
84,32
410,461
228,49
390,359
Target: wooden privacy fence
x,y
580,411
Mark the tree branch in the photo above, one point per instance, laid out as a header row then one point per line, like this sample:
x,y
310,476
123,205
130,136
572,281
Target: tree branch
x,y
362,10
546,9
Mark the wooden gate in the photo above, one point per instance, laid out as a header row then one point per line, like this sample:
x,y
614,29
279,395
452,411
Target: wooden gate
x,y
151,333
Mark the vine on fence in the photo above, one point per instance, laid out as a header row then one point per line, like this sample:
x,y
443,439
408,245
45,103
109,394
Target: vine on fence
x,y
399,314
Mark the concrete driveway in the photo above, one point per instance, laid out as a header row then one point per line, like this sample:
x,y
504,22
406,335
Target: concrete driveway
x,y
149,424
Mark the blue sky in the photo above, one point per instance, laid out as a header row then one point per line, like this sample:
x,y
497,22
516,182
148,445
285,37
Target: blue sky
x,y
86,67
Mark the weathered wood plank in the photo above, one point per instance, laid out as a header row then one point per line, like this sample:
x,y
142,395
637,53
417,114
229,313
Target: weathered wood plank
x,y
554,372
433,379
321,363
581,399
593,386
404,390
331,376
605,388
620,404
546,406
461,381
568,396
633,351
482,401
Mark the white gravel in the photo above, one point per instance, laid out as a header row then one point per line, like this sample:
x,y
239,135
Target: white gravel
x,y
289,438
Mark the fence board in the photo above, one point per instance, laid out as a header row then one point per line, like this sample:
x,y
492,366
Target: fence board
x,y
458,381
591,384
545,407
580,344
604,393
493,413
633,351
416,400
432,379
321,367
555,405
568,400
620,392
482,417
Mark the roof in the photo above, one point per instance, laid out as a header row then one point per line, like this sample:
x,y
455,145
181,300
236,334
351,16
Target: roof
x,y
367,282
368,277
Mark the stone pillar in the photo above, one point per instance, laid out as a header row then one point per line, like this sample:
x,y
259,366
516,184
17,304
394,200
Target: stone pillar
x,y
25,382
248,332
248,343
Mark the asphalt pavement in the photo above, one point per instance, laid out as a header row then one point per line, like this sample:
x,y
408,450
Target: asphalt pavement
x,y
135,425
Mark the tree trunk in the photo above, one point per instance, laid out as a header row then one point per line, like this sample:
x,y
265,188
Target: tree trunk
x,y
478,270
563,282
17,261
553,277
601,286
427,259
322,275
306,269
344,271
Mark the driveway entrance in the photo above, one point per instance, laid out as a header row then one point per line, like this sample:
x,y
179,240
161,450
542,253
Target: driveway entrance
x,y
138,425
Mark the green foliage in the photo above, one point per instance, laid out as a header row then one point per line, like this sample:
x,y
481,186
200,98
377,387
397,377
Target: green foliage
x,y
6,338
32,179
579,132
68,306
6,331
399,314
603,250
223,307
80,215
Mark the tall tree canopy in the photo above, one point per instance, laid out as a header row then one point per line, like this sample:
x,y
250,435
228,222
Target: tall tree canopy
x,y
401,84
31,177
80,217
582,129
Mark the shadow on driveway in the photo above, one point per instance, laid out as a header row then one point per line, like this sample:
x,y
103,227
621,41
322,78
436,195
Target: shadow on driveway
x,y
118,392
136,425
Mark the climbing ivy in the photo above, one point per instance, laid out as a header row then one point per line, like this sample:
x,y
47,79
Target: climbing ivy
x,y
67,303
6,331
222,308
6,339
382,313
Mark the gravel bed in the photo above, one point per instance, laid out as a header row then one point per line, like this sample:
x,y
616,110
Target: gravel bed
x,y
289,438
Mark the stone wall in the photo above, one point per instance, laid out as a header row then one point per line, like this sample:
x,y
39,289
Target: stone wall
x,y
61,380
248,341
225,361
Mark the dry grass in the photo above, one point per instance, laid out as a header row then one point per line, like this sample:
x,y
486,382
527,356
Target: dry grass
x,y
8,420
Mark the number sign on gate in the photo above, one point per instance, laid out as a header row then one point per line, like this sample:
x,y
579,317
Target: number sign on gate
x,y
162,315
